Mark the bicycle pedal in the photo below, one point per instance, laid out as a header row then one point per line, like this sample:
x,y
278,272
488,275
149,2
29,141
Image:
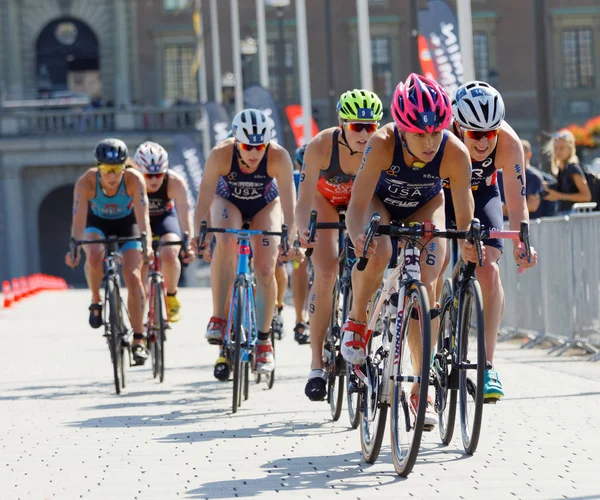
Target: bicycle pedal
x,y
490,401
428,428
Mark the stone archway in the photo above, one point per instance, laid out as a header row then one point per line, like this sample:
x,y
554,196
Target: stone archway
x,y
54,230
68,58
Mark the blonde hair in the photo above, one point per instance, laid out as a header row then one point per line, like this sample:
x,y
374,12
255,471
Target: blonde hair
x,y
526,145
569,138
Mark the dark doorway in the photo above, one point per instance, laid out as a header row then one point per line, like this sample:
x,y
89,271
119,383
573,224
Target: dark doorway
x,y
68,58
54,228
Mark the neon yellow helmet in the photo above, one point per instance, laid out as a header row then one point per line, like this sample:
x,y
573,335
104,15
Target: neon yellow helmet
x,y
360,104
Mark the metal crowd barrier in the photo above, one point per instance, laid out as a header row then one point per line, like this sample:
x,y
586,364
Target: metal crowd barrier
x,y
557,301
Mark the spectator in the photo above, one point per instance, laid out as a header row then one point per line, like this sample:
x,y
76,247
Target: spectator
x,y
534,186
571,185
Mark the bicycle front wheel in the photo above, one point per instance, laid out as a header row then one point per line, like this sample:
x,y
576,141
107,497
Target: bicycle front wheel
x,y
114,338
471,345
271,376
406,423
159,324
445,400
372,407
335,379
238,336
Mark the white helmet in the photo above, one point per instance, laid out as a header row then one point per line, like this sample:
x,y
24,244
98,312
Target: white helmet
x,y
252,126
151,158
478,106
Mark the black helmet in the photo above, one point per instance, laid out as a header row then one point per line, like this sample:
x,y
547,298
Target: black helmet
x,y
111,152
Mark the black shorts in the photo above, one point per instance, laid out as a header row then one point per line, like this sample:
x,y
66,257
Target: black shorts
x,y
124,227
165,224
488,209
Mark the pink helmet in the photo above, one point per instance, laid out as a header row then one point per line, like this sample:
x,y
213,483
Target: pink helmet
x,y
421,105
151,158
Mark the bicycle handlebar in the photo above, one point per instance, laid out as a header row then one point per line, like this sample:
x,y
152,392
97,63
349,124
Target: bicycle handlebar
x,y
312,230
475,234
204,230
74,244
371,231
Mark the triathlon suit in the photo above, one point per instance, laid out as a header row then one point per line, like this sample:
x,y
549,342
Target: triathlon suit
x,y
250,193
112,215
163,216
488,204
334,184
404,189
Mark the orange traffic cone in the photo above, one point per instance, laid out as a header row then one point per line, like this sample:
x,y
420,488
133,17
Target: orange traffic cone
x,y
8,294
25,292
16,287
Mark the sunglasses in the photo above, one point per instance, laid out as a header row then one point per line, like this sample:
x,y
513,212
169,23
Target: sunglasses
x,y
370,127
477,135
250,147
153,176
107,169
563,135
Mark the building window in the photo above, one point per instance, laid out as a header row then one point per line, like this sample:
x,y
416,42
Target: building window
x,y
290,78
578,61
176,4
382,66
180,84
481,55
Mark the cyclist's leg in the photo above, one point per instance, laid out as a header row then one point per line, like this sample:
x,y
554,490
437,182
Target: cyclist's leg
x,y
281,277
325,262
94,273
364,285
432,261
224,214
132,274
266,250
488,210
299,291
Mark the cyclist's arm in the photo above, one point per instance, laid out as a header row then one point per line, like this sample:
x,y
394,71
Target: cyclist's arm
x,y
510,158
178,192
81,197
136,186
377,157
217,164
287,191
309,178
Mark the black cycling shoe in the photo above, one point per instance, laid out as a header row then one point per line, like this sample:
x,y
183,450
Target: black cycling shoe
x,y
140,354
299,334
316,387
95,321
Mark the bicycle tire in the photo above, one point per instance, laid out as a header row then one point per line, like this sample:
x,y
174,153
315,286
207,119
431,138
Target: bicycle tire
x,y
246,381
160,331
237,333
404,462
352,399
445,397
335,383
115,330
371,439
471,300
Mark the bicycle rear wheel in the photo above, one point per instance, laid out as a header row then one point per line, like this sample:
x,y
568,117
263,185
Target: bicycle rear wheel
x,y
471,345
407,426
159,322
372,409
335,379
114,339
445,397
238,334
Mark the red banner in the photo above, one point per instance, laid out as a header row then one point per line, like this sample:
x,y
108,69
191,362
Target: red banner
x,y
294,113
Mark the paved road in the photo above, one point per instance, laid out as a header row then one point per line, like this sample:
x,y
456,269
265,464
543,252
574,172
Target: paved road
x,y
64,434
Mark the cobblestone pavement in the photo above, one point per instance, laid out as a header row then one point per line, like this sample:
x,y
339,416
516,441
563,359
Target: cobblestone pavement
x,y
64,434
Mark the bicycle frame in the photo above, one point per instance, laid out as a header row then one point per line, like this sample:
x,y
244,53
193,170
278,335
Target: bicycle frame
x,y
397,278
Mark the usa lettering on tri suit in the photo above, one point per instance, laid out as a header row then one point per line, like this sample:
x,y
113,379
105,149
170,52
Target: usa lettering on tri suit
x,y
403,189
250,193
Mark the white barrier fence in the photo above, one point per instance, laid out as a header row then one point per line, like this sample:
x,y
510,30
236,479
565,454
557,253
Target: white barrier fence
x,y
559,299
